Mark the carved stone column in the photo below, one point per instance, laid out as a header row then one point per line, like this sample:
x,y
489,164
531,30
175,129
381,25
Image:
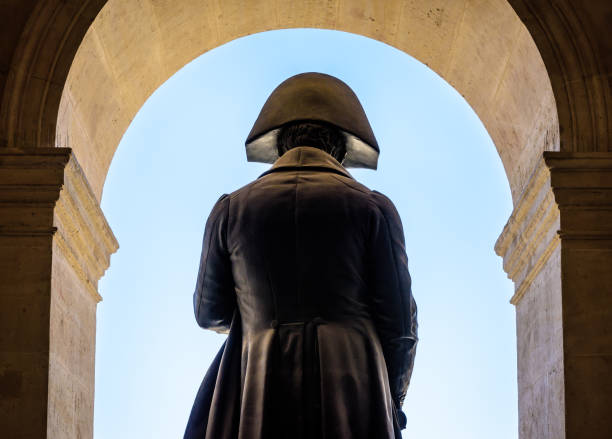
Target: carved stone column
x,y
54,246
530,247
582,184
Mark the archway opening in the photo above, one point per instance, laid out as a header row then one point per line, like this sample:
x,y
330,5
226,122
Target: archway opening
x,y
480,48
185,148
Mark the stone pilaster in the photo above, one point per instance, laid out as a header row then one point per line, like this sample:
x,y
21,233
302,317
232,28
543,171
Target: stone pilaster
x,y
530,247
557,248
54,246
582,184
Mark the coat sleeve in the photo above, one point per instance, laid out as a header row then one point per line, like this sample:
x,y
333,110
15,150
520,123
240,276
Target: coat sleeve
x,y
214,298
394,310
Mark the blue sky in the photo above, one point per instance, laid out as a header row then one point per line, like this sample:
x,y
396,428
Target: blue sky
x,y
185,148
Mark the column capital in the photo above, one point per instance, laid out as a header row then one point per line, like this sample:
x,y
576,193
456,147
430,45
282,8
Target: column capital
x,y
44,192
30,184
582,184
529,237
83,234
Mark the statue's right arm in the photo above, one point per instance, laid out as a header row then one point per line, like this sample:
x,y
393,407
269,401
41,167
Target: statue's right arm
x,y
214,299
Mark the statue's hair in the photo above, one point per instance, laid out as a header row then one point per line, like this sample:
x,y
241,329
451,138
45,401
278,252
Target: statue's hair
x,y
319,135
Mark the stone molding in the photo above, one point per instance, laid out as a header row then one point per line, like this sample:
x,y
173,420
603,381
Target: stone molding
x,y
582,184
530,235
83,234
30,183
43,192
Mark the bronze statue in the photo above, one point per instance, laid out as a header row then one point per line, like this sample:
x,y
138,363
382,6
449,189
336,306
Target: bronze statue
x,y
306,268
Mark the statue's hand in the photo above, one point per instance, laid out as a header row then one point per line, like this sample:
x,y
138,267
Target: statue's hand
x,y
400,416
401,419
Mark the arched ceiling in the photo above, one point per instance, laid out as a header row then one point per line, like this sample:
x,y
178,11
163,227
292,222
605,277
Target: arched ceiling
x,y
479,46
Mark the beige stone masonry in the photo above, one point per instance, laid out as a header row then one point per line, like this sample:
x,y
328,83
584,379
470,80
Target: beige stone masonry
x,y
30,181
530,235
530,248
479,47
82,247
83,235
55,244
582,184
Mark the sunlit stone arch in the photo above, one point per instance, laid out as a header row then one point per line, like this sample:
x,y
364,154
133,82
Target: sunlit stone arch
x,y
75,72
480,47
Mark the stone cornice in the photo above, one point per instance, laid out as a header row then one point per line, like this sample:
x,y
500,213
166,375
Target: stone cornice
x,y
43,192
582,184
30,183
83,234
32,168
529,237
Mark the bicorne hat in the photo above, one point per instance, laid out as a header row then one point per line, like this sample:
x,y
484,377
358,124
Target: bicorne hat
x,y
314,97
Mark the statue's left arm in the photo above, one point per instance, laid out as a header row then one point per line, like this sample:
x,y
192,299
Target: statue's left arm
x,y
214,299
393,307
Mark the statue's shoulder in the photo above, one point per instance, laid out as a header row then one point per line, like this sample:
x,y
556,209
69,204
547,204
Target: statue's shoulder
x,y
350,182
384,204
242,190
220,205
380,197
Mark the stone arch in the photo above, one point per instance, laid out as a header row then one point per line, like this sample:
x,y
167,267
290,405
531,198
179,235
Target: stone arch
x,y
536,72
481,48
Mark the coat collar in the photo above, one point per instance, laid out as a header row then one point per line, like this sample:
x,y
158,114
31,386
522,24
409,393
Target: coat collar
x,y
302,157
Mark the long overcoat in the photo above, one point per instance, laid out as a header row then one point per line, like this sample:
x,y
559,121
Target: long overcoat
x,y
307,270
